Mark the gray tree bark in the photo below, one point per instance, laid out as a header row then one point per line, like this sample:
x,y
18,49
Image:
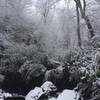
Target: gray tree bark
x,y
85,17
78,26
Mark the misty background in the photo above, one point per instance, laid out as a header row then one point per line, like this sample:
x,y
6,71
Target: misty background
x,y
37,36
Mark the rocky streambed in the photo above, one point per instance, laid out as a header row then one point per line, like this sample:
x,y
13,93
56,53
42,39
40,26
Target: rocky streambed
x,y
47,91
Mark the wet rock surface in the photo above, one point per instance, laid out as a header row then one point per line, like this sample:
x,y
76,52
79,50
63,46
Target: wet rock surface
x,y
32,74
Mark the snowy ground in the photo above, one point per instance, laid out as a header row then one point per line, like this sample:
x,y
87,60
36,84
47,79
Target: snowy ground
x,y
4,95
68,95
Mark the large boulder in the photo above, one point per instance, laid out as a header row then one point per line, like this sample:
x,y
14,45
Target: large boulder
x,y
34,94
50,63
32,73
59,77
40,93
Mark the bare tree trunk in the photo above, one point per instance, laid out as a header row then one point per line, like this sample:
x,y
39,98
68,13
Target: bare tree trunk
x,y
85,17
89,25
78,26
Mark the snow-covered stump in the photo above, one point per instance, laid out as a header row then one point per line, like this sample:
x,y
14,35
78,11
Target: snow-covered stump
x,y
68,95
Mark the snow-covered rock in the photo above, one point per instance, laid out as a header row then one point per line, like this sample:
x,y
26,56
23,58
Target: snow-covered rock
x,y
68,95
34,94
30,70
37,92
4,95
59,77
7,95
48,87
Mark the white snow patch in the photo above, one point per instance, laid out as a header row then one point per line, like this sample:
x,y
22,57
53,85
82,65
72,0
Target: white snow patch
x,y
4,95
34,94
68,95
1,99
52,98
48,87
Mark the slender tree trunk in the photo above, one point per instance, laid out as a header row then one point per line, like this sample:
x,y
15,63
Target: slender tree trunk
x,y
78,26
85,17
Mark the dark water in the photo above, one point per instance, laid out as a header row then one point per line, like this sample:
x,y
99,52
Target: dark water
x,y
14,98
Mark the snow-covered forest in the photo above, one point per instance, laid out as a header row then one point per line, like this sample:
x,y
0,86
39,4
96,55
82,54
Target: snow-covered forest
x,y
49,49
